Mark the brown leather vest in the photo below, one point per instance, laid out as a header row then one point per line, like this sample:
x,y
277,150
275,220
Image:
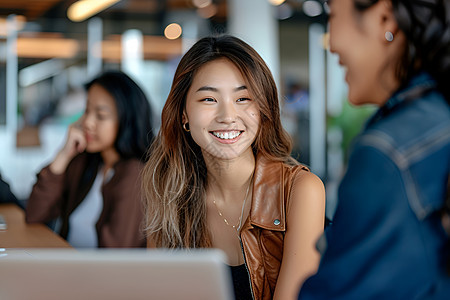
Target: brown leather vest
x,y
262,234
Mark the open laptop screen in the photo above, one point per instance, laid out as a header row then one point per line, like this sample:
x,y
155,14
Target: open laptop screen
x,y
114,274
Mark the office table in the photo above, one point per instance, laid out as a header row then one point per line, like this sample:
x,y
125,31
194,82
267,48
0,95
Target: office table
x,y
19,234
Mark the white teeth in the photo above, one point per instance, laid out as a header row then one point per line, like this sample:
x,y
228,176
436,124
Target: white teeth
x,y
227,135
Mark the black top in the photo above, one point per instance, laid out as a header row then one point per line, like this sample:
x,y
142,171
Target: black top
x,y
241,282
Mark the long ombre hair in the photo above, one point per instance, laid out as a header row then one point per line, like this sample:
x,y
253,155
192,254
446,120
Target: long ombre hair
x,y
174,178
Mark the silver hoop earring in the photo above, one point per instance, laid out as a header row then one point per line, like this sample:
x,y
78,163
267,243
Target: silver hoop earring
x,y
389,36
186,127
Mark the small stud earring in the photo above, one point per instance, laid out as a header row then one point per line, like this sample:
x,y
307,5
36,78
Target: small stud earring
x,y
389,36
186,127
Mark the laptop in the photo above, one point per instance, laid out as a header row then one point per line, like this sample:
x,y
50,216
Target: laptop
x,y
114,274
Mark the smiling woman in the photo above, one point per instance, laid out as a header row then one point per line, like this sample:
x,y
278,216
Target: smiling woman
x,y
220,173
222,117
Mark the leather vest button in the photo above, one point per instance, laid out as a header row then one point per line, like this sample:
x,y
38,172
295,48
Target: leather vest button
x,y
276,222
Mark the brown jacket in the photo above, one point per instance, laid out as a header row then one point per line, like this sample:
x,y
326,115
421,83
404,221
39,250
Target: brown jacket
x,y
119,224
262,234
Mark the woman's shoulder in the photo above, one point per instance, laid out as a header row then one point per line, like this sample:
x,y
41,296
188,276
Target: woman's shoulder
x,y
308,188
294,173
306,180
287,163
276,169
411,127
416,116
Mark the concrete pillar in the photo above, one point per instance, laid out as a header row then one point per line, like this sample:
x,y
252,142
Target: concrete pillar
x,y
254,21
11,75
94,54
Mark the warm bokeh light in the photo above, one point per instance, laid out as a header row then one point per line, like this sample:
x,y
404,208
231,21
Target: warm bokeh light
x,y
46,47
207,11
201,3
172,31
83,9
276,2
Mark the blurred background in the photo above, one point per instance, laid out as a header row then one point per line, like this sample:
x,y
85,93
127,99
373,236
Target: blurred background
x,y
50,48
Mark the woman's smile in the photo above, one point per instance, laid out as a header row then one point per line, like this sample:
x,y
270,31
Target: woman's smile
x,y
227,136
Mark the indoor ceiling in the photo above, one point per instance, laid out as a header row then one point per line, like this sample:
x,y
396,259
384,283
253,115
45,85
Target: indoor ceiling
x,y
36,9
31,9
149,16
47,23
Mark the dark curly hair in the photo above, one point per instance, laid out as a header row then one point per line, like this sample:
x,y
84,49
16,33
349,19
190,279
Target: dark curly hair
x,y
426,25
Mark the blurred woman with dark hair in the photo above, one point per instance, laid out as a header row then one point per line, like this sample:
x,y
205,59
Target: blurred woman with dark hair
x,y
93,184
387,240
220,173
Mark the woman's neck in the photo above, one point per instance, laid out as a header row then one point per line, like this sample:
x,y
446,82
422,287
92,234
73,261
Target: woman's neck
x,y
109,157
226,178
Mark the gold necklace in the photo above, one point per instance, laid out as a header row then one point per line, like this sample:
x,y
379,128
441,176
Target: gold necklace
x,y
236,227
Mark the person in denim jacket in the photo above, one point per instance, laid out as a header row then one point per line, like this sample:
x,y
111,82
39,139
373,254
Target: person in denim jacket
x,y
387,240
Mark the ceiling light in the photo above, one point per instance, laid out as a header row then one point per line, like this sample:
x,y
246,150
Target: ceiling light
x,y
83,9
276,2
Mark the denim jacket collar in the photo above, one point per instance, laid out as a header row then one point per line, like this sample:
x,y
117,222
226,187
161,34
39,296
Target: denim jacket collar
x,y
419,84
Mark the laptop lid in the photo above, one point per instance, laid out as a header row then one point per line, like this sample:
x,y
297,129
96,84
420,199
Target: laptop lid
x,y
114,274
